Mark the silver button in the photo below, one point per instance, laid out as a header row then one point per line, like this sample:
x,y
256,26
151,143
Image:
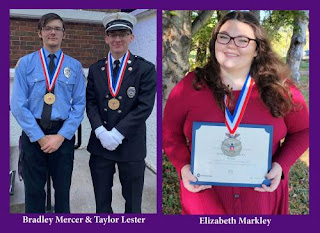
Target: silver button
x,y
119,111
236,196
107,96
120,97
105,109
105,122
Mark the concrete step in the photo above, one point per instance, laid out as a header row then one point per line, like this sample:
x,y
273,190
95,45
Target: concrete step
x,y
81,194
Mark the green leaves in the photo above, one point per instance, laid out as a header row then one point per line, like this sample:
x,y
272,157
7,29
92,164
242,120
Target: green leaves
x,y
170,188
299,188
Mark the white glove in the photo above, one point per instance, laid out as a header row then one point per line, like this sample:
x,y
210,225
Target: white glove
x,y
106,139
116,135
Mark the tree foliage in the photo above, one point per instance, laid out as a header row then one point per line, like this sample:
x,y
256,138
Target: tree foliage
x,y
275,20
200,41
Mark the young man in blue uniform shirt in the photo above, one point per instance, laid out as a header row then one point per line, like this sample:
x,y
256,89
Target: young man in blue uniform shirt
x,y
120,97
48,102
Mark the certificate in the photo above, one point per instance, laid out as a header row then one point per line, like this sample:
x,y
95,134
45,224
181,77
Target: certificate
x,y
242,159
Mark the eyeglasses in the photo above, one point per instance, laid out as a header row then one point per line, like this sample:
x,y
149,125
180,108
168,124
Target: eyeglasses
x,y
239,41
121,35
49,29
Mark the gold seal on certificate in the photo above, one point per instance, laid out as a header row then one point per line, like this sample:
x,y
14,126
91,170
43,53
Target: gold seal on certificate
x,y
49,98
113,104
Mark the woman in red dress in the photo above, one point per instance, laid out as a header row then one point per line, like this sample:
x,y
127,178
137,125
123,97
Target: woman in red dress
x,y
238,47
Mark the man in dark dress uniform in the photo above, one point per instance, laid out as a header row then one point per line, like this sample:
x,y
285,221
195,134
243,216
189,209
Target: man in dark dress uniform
x,y
120,97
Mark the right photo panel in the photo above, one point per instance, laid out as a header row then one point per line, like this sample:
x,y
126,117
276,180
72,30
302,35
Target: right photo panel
x,y
235,130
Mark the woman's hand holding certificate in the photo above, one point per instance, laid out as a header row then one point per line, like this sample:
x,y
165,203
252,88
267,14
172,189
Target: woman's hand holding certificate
x,y
187,176
275,176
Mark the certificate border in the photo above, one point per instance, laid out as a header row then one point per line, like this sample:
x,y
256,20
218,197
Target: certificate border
x,y
197,124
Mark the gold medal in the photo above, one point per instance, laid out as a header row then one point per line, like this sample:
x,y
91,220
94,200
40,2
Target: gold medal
x,y
49,98
113,104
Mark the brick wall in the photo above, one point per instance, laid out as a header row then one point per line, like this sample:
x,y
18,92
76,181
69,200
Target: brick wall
x,y
85,42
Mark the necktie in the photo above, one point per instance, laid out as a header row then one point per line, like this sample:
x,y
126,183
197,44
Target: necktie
x,y
47,108
51,63
115,71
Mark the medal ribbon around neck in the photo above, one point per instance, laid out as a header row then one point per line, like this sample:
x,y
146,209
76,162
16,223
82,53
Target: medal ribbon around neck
x,y
114,89
51,79
233,121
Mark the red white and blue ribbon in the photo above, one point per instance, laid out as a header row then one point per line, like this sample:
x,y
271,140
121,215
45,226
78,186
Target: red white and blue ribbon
x,y
114,87
50,78
233,121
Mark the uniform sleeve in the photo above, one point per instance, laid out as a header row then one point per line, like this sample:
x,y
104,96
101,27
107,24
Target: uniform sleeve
x,y
92,105
174,141
297,139
72,123
146,96
19,103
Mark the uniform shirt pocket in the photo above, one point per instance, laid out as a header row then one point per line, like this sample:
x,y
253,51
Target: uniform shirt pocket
x,y
64,87
36,85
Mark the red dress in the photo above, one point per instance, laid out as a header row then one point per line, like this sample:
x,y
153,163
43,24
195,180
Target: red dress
x,y
186,105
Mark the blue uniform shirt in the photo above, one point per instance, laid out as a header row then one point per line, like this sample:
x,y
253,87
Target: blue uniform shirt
x,y
29,88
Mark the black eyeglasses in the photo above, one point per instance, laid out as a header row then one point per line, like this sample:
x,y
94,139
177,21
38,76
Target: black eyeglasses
x,y
239,41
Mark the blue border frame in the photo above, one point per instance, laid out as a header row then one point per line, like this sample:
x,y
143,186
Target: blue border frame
x,y
196,125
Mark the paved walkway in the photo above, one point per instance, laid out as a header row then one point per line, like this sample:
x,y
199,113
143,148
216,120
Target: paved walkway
x,y
81,195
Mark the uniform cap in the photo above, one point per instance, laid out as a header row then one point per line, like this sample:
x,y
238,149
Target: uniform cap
x,y
119,21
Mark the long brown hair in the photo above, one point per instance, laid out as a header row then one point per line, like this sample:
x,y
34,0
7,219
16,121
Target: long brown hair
x,y
270,74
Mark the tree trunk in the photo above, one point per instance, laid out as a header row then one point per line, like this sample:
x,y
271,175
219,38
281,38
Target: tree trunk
x,y
176,46
202,52
200,21
298,40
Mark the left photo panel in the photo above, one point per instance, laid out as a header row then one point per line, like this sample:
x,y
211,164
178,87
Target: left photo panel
x,y
83,111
